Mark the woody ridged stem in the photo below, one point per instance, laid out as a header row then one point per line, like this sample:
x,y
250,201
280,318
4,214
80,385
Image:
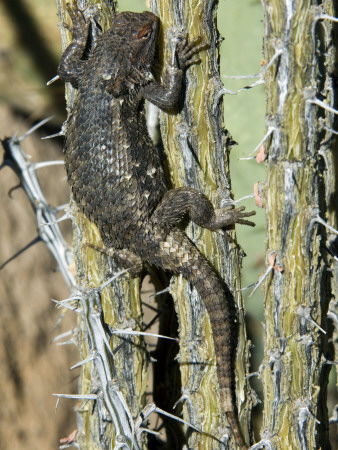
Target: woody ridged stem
x,y
197,147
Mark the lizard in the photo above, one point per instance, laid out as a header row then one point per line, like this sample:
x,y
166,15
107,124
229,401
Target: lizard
x,y
116,175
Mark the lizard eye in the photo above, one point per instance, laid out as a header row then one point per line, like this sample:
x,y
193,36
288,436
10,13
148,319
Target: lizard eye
x,y
144,33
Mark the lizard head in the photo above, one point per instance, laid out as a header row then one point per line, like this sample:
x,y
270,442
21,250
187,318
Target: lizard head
x,y
140,33
130,46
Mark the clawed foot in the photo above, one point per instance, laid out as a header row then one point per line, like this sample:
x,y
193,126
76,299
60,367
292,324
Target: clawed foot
x,y
79,27
238,216
229,216
186,51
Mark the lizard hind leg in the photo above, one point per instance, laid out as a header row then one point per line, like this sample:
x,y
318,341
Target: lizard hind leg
x,y
178,202
123,257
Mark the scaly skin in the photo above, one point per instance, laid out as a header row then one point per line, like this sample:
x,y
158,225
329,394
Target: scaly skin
x,y
116,176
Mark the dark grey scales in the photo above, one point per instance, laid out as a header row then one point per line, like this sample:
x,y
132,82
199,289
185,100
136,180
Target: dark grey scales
x,y
116,176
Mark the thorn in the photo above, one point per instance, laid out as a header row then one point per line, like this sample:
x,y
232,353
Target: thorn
x,y
53,80
270,130
60,304
51,136
68,300
250,86
63,335
328,17
85,361
278,52
158,293
318,219
34,128
323,105
182,399
58,321
57,404
261,279
247,159
70,341
247,287
253,374
236,202
77,396
304,311
62,219
259,75
305,411
62,208
118,348
40,165
110,280
26,247
331,363
141,333
225,91
331,130
114,386
242,77
146,430
149,409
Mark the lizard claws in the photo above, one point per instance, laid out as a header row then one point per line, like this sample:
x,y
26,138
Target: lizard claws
x,y
229,215
79,23
186,50
238,216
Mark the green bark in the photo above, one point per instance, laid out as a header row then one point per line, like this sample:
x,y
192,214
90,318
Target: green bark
x,y
300,186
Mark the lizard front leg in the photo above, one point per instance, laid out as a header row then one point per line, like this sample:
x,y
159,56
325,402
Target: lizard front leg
x,y
166,95
176,203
